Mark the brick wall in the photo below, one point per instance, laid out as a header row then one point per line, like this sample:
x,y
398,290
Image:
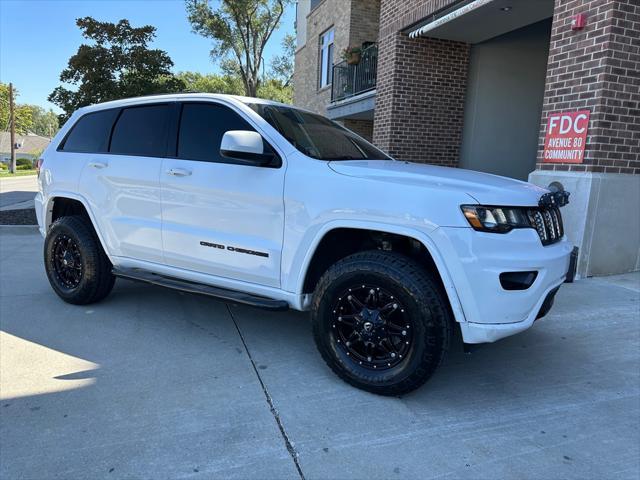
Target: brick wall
x,y
421,87
597,68
365,21
420,97
354,22
364,128
396,15
421,83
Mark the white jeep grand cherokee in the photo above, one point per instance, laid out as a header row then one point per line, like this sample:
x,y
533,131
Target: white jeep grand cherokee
x,y
260,203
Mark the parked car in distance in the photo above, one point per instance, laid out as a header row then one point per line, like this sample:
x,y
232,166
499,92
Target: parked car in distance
x,y
263,204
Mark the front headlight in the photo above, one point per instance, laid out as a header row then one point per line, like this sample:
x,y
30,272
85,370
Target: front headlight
x,y
496,219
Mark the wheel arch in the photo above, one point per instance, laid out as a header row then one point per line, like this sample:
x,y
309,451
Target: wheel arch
x,y
314,265
76,205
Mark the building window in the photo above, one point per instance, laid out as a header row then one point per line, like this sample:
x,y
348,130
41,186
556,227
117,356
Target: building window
x,y
326,58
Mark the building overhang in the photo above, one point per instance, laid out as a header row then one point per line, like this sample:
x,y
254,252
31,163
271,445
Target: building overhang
x,y
475,21
358,107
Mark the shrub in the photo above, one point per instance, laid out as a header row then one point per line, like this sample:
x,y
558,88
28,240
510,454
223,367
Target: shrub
x,y
24,162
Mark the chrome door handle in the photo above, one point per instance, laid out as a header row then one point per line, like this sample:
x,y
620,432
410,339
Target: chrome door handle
x,y
98,164
178,172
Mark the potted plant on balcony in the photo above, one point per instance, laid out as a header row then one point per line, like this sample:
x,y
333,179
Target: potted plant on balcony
x,y
352,55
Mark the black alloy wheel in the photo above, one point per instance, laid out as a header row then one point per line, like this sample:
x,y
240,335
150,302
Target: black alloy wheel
x,y
67,261
381,322
77,267
371,326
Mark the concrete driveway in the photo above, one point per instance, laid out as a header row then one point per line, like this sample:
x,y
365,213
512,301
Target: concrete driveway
x,y
152,383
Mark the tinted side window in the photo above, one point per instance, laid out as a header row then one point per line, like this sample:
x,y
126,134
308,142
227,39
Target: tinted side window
x,y
91,132
141,131
201,129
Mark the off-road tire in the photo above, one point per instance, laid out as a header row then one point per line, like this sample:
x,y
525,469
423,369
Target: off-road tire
x,y
96,279
423,300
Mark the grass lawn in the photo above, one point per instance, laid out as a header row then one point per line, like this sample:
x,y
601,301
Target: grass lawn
x,y
19,173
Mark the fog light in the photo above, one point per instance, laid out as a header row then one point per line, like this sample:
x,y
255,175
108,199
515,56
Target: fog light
x,y
517,280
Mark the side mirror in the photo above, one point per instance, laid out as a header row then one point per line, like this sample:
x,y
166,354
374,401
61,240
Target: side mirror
x,y
246,147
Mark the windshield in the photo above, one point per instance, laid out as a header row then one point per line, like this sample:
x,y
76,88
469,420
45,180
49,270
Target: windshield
x,y
317,136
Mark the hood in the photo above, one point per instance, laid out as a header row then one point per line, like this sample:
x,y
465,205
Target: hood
x,y
485,188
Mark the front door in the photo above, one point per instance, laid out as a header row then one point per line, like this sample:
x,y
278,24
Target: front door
x,y
218,217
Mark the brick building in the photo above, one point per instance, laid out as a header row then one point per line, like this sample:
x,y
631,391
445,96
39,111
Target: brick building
x,y
331,26
476,84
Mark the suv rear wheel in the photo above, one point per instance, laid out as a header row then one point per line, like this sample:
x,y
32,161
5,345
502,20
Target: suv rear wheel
x,y
77,267
381,322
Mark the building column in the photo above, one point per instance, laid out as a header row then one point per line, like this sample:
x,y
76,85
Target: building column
x,y
596,69
420,94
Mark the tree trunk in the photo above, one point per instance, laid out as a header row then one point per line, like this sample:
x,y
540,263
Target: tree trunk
x,y
251,87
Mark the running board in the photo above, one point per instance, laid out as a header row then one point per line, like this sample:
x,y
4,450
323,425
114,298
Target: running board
x,y
201,289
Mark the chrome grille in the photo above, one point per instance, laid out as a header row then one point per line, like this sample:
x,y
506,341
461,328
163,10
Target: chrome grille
x,y
548,224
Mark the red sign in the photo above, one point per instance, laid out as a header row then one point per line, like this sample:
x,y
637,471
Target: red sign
x,y
566,137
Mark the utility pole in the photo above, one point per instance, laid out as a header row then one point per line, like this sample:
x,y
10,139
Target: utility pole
x,y
12,121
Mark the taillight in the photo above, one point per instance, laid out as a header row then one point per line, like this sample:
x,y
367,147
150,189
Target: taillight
x,y
39,165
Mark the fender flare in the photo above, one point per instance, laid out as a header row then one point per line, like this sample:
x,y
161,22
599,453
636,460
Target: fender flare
x,y
422,237
48,210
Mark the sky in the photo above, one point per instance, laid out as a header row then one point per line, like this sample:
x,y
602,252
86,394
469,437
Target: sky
x,y
37,37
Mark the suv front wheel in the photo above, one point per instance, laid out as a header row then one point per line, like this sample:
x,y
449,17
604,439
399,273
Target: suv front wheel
x,y
380,322
77,267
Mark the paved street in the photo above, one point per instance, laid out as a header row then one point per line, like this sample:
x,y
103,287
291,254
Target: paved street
x,y
152,383
17,192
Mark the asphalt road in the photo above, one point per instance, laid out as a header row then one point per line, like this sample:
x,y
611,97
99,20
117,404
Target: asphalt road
x,y
17,192
152,383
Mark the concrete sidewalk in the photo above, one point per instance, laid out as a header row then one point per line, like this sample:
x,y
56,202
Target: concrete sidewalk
x,y
152,383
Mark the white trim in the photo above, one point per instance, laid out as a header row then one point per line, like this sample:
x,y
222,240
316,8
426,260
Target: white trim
x,y
326,57
449,17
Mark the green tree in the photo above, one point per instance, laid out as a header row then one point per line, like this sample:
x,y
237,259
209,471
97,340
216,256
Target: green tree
x,y
282,65
24,119
274,89
240,30
23,113
271,88
45,123
4,107
117,64
211,83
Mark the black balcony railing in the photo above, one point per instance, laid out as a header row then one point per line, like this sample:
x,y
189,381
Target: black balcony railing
x,y
350,80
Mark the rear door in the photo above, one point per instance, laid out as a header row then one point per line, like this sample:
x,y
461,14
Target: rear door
x,y
122,185
220,217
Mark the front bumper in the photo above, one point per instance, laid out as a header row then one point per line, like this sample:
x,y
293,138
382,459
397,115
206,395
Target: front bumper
x,y
490,332
475,261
